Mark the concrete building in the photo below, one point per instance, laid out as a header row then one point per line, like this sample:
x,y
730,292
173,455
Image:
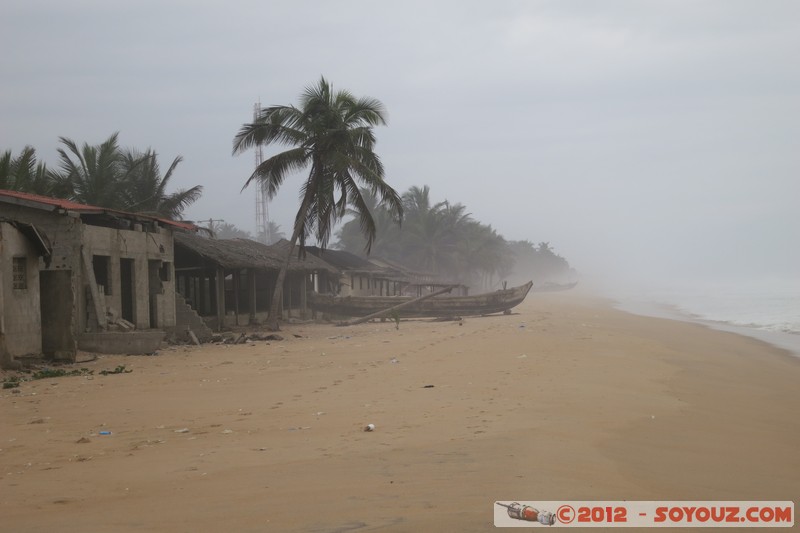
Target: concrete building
x,y
419,283
20,311
105,284
379,277
358,276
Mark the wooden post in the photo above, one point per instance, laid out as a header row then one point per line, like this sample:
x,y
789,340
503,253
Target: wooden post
x,y
202,297
289,294
236,275
303,296
220,287
251,282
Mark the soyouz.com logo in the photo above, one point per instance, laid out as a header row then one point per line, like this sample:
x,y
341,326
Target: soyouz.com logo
x,y
644,514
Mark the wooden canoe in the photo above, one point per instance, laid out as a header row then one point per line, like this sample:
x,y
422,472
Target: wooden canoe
x,y
439,306
554,287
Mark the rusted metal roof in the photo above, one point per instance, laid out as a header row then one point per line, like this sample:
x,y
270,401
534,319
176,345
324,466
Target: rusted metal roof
x,y
59,204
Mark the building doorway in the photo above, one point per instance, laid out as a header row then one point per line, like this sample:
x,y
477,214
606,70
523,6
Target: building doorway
x,y
56,303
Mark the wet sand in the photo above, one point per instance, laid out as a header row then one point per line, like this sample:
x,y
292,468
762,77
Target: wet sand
x,y
567,399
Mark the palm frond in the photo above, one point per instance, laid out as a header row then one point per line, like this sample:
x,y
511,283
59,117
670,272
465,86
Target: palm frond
x,y
273,171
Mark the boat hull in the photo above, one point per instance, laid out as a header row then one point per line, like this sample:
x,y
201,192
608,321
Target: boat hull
x,y
555,287
438,306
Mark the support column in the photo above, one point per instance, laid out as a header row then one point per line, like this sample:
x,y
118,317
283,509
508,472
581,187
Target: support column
x,y
304,296
220,287
251,283
236,275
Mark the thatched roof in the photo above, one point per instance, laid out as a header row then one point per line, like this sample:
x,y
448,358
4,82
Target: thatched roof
x,y
245,253
342,260
377,268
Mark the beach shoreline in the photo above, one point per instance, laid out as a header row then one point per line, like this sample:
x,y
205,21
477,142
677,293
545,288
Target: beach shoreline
x,y
789,342
566,399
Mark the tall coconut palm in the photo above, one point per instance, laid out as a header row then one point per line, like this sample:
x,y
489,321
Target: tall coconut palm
x,y
332,133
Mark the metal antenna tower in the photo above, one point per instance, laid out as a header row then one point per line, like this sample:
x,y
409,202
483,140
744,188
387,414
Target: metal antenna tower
x,y
263,233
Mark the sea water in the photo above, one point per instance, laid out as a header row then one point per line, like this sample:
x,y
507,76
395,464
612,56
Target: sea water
x,y
767,309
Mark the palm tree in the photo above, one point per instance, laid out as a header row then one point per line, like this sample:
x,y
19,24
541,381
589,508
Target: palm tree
x,y
272,234
146,188
433,231
226,230
332,133
538,263
24,173
387,231
127,180
483,253
92,175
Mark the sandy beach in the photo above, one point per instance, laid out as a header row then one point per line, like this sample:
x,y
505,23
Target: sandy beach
x,y
566,399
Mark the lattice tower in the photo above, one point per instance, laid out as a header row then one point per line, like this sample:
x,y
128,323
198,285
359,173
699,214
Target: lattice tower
x,y
263,233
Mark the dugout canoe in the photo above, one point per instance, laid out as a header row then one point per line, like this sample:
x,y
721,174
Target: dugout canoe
x,y
438,306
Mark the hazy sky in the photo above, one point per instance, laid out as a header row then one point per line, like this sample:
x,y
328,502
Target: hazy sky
x,y
640,138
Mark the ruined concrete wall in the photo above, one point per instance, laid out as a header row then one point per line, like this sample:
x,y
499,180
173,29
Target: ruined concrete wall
x,y
117,342
62,231
20,316
153,283
67,234
64,234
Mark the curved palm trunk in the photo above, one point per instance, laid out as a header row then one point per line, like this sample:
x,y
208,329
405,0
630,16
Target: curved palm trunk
x,y
277,295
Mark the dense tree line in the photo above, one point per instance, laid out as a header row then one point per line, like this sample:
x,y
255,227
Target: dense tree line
x,y
444,239
103,175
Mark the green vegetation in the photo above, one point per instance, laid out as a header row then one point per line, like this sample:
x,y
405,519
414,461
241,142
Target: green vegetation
x,y
444,239
104,175
332,133
59,372
119,370
11,382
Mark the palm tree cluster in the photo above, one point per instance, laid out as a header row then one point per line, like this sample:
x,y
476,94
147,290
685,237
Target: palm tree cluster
x,y
104,175
539,262
440,238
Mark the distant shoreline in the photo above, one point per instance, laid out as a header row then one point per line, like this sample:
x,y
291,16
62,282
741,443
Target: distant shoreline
x,y
785,341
